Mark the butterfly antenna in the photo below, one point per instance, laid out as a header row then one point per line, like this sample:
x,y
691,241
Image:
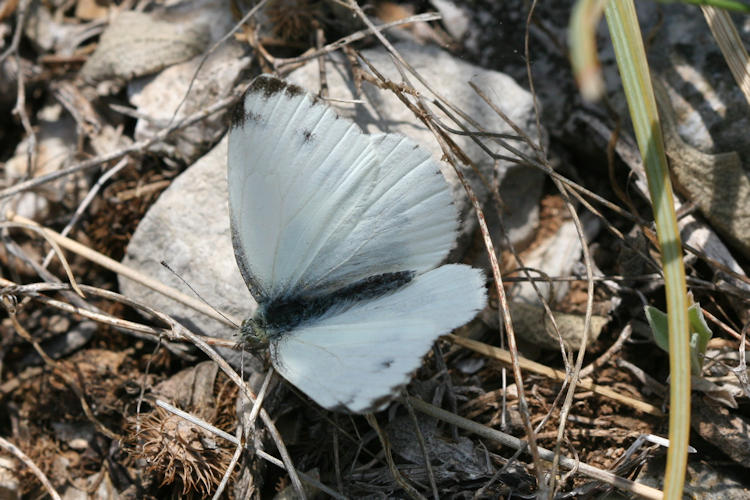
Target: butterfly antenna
x,y
164,263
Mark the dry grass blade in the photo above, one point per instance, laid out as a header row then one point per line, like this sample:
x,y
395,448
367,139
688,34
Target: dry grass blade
x,y
31,225
197,421
232,465
16,452
731,46
122,270
573,379
532,366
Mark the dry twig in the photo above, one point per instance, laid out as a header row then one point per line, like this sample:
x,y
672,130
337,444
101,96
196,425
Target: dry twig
x,y
16,452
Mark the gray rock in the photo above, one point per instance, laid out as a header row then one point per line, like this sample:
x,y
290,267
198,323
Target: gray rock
x,y
55,150
158,97
703,480
188,226
455,18
138,44
710,108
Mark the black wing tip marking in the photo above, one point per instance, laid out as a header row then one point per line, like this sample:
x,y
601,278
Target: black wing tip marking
x,y
239,117
270,85
267,86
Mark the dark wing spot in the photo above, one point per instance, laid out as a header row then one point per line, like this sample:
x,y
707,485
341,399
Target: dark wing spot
x,y
308,135
293,90
239,118
387,363
238,115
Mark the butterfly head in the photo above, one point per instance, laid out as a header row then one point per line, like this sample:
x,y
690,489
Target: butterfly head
x,y
254,333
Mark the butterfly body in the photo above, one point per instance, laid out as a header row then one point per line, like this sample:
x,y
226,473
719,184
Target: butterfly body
x,y
339,236
274,317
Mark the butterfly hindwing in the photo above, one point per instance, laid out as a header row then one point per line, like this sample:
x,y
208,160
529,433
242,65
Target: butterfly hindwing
x,y
355,357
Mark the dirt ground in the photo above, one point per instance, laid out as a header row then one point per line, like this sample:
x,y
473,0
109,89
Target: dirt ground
x,y
80,376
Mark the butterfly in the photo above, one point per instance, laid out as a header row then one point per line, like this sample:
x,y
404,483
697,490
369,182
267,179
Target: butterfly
x,y
339,236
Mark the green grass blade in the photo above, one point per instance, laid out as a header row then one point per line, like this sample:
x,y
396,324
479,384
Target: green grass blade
x,y
634,72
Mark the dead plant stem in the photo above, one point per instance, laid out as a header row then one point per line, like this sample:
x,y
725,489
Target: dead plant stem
x,y
20,455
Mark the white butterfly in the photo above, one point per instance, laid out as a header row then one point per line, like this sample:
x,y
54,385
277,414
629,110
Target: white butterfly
x,y
338,235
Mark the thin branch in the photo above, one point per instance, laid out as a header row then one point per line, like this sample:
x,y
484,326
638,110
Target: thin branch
x,y
230,467
87,201
15,451
548,455
136,147
359,35
32,226
123,270
613,349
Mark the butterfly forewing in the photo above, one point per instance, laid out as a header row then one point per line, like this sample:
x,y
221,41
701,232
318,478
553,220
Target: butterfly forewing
x,y
316,204
288,194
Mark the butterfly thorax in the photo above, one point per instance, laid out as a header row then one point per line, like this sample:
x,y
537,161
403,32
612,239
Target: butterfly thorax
x,y
276,316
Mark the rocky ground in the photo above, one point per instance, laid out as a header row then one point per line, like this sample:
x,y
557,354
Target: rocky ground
x,y
113,158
